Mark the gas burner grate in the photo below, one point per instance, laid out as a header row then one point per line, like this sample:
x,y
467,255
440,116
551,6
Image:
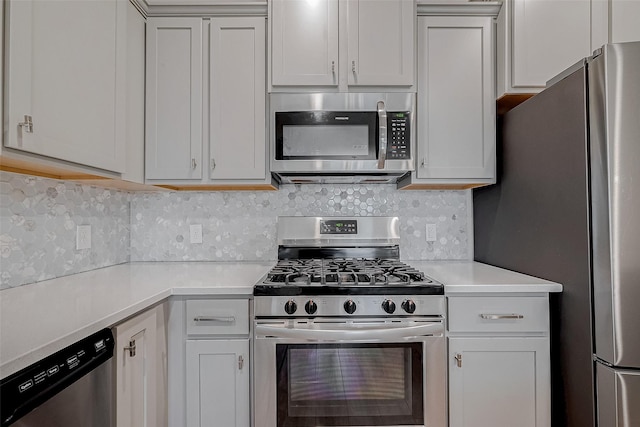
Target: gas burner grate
x,y
345,272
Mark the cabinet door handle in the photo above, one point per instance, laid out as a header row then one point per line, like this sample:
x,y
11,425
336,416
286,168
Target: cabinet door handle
x,y
333,67
501,316
194,164
458,358
219,319
423,162
27,125
353,67
213,164
240,362
131,348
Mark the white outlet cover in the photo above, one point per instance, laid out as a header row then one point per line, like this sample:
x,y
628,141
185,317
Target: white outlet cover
x,y
430,233
83,237
195,233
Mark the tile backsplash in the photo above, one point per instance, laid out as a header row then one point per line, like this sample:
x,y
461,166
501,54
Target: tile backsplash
x,y
38,219
241,226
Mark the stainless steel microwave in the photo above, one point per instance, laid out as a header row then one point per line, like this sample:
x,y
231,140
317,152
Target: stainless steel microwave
x,y
342,137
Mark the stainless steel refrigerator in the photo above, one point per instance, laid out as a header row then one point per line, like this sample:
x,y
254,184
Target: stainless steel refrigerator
x,y
567,208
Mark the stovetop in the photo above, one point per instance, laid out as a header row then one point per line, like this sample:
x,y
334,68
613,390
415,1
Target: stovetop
x,y
345,276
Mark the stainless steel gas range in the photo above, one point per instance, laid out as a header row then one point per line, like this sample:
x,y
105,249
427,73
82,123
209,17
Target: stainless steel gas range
x,y
345,333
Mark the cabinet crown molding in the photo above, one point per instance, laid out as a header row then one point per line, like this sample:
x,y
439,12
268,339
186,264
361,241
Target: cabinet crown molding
x,y
199,8
459,8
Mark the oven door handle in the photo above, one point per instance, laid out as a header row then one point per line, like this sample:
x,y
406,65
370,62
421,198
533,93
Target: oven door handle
x,y
354,334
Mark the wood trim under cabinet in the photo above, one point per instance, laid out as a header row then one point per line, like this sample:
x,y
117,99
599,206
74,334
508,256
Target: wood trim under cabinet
x,y
418,186
221,187
510,100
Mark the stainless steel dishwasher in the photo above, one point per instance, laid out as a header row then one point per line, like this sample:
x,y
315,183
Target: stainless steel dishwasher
x,y
72,387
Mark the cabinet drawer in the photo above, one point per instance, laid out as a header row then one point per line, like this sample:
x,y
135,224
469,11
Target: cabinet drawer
x,y
498,314
218,317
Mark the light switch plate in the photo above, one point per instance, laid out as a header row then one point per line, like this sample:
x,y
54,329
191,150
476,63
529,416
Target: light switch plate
x,y
195,233
83,237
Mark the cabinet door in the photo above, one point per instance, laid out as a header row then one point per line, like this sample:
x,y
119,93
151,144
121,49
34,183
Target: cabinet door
x,y
547,37
174,99
66,70
218,383
237,98
304,42
499,382
625,21
136,371
380,37
456,108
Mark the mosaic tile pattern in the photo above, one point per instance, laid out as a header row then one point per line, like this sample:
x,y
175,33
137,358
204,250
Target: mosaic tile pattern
x,y
242,225
38,219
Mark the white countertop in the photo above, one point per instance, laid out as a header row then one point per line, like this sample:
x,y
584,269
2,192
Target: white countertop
x,y
475,277
39,319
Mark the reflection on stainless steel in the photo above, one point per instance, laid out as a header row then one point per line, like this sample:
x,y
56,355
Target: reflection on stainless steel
x,y
615,175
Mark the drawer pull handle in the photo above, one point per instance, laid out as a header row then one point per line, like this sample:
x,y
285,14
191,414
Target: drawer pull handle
x,y
219,319
501,316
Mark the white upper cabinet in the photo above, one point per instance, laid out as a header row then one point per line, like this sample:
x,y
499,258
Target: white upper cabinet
x,y
237,141
342,44
537,39
455,108
381,44
65,84
206,102
304,39
614,21
174,99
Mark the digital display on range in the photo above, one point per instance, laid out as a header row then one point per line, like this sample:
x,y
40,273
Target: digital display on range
x,y
333,226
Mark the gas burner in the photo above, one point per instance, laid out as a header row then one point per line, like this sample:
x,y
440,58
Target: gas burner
x,y
318,257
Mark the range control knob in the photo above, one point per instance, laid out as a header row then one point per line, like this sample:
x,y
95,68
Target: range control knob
x,y
350,306
409,306
290,307
388,306
310,307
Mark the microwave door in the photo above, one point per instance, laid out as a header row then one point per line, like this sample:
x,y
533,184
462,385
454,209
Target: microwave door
x,y
323,136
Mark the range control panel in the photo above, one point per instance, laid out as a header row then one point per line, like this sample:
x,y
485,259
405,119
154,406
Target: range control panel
x,y
332,226
398,135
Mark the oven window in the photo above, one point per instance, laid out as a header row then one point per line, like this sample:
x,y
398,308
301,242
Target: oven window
x,y
349,384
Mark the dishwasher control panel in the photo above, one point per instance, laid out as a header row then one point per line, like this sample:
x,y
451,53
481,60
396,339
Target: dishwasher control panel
x,y
35,384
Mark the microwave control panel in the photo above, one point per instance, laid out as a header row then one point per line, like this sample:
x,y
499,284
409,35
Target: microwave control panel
x,y
398,137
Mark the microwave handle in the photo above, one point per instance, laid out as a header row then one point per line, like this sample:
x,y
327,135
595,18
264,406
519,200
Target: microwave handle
x,y
382,123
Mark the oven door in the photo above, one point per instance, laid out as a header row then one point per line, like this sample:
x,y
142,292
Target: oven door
x,y
328,372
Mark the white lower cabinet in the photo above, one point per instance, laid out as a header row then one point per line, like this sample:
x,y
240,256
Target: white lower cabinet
x,y
209,366
141,370
499,361
217,383
498,382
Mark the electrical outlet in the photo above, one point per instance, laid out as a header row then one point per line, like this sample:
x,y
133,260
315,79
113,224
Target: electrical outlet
x,y
430,233
83,237
195,233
